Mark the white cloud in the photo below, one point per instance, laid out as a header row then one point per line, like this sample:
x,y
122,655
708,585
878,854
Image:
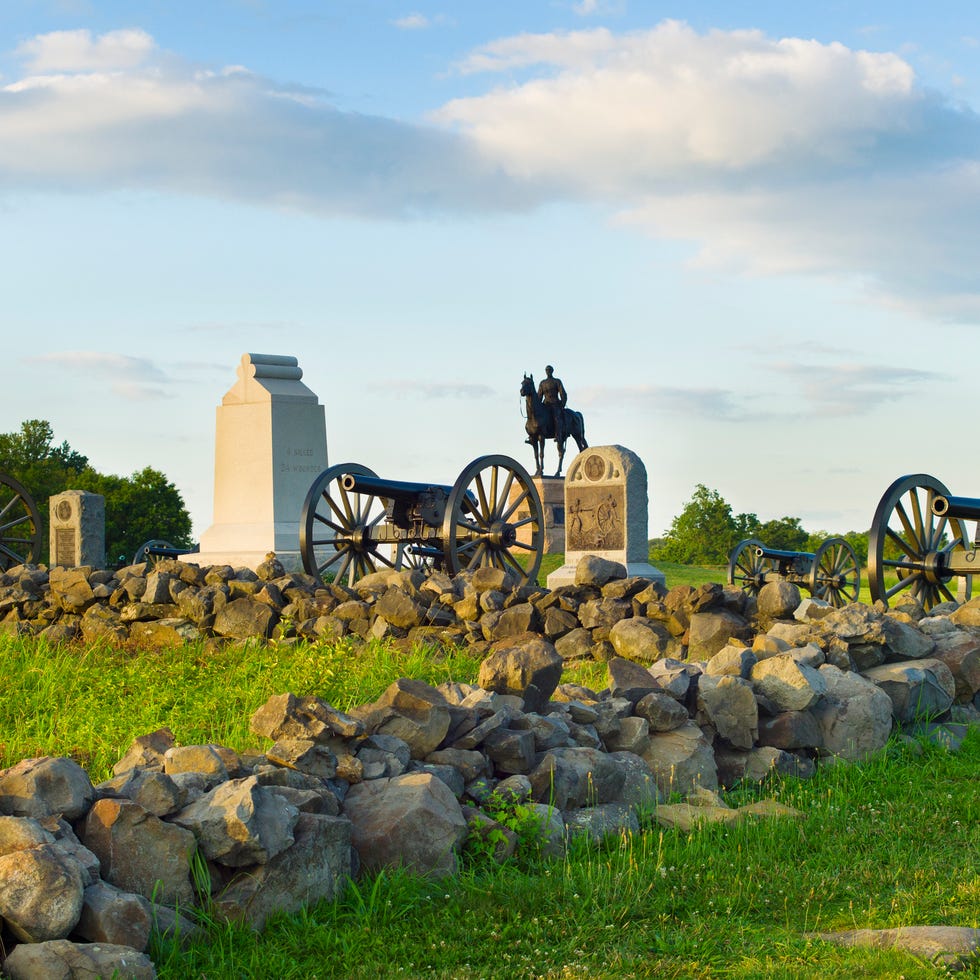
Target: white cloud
x,y
131,378
79,51
169,125
412,22
771,155
850,389
431,389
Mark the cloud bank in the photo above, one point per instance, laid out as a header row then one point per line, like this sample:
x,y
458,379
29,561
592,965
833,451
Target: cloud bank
x,y
770,155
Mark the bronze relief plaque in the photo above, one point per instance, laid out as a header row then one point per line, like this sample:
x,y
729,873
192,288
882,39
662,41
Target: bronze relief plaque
x,y
595,518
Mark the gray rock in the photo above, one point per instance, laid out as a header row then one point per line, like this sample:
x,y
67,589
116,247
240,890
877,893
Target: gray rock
x,y
601,821
146,752
412,821
569,778
711,631
790,685
855,716
245,617
593,570
954,947
315,868
662,711
110,915
530,670
42,893
778,599
154,791
139,852
628,679
412,711
919,689
240,822
60,959
642,640
682,760
728,705
44,787
904,642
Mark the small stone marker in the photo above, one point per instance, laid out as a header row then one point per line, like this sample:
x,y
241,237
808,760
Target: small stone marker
x,y
606,513
77,533
270,445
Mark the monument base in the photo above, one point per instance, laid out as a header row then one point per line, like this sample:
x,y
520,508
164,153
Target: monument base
x,y
551,490
640,569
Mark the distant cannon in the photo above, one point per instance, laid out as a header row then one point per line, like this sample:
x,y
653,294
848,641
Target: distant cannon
x,y
157,549
831,573
20,525
918,535
354,522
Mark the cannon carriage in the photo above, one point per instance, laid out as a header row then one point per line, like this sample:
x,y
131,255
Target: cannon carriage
x,y
354,522
831,573
920,543
20,525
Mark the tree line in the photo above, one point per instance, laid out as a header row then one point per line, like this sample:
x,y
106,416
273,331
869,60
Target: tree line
x,y
138,508
706,531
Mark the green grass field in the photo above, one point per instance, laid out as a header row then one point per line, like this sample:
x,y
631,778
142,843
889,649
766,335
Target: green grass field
x,y
891,842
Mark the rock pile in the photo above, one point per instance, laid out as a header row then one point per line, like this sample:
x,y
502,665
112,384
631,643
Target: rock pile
x,y
705,687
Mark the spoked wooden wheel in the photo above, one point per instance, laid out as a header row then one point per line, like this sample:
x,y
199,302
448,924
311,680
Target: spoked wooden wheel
x,y
20,525
907,540
746,568
336,530
494,517
835,575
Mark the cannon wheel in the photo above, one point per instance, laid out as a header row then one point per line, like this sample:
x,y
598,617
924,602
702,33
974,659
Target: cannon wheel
x,y
835,575
143,551
335,529
904,519
20,525
479,528
746,569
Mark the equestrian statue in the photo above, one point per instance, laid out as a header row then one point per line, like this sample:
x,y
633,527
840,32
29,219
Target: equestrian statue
x,y
548,417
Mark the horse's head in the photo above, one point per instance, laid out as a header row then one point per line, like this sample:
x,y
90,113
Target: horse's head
x,y
527,385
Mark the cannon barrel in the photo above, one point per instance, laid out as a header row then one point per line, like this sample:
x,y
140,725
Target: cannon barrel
x,y
965,508
392,489
763,552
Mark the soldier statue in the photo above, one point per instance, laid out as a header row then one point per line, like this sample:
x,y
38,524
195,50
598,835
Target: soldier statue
x,y
552,394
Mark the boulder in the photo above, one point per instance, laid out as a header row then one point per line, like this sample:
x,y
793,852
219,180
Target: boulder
x,y
919,689
139,852
42,893
854,715
531,670
240,822
682,760
410,821
315,868
44,787
60,959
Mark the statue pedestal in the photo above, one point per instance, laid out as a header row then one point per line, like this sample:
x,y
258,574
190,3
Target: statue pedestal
x,y
270,445
606,513
551,490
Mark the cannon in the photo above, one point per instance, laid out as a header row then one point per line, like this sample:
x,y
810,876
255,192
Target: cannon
x,y
919,542
157,549
831,573
354,522
20,525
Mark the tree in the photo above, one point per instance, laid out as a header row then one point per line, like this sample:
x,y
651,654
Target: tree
x,y
784,533
703,533
138,508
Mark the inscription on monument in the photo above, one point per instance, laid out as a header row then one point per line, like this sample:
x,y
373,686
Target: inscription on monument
x,y
64,541
594,518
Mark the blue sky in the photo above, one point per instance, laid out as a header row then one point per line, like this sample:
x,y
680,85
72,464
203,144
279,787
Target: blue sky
x,y
746,235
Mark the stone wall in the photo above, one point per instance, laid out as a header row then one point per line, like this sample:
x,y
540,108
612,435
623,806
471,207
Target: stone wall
x,y
704,687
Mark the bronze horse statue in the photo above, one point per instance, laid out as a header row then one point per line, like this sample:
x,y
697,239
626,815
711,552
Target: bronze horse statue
x,y
540,426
